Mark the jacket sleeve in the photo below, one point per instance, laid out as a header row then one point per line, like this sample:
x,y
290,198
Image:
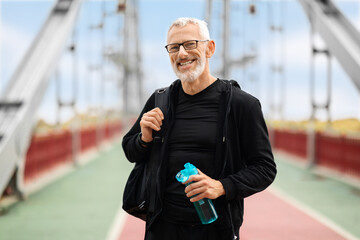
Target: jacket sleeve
x,y
259,170
133,150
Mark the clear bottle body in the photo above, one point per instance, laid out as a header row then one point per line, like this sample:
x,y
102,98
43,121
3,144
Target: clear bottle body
x,y
204,207
206,210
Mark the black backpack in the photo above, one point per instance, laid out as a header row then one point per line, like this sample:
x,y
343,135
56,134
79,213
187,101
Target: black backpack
x,y
140,189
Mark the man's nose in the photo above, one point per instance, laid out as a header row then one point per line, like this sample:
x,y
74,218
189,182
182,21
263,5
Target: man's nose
x,y
182,51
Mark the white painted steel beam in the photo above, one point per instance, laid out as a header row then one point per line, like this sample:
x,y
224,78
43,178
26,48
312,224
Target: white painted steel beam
x,y
25,91
340,36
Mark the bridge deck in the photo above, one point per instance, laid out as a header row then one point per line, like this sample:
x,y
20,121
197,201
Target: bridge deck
x,y
84,204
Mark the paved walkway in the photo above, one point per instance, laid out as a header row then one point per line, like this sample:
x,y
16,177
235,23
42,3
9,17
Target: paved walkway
x,y
85,203
80,206
267,217
329,200
300,205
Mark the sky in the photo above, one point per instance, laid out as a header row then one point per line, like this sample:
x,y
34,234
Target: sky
x,y
21,20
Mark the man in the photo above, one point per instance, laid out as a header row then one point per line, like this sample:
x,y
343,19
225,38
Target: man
x,y
212,124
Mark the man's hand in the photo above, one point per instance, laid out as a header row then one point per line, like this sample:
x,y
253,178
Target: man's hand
x,y
150,121
204,186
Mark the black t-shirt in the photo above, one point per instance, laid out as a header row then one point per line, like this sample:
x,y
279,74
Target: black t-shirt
x,y
192,139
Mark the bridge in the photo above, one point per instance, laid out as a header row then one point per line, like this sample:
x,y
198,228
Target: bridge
x,y
62,169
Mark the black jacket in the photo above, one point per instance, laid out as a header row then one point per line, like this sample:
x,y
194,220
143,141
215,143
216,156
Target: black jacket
x,y
244,158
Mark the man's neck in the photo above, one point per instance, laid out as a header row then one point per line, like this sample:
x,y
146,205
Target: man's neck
x,y
198,85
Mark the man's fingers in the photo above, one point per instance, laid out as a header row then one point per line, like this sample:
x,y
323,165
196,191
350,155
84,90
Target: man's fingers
x,y
203,186
195,178
155,114
150,122
152,119
195,191
194,185
198,197
158,110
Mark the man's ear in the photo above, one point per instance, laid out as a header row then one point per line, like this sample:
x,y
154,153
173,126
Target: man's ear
x,y
210,49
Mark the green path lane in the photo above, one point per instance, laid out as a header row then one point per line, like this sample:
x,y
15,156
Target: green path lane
x,y
81,205
337,201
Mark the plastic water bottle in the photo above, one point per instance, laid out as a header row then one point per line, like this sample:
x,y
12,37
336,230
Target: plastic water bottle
x,y
204,207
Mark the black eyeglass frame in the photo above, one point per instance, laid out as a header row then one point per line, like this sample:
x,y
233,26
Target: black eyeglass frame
x,y
182,44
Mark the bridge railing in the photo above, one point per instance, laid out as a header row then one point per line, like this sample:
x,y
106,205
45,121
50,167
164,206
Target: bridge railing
x,y
46,152
336,152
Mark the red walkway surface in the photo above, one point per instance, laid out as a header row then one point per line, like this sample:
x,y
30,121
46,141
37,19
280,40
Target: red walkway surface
x,y
267,217
270,218
134,229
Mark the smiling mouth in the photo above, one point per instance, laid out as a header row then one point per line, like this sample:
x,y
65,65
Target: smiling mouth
x,y
186,63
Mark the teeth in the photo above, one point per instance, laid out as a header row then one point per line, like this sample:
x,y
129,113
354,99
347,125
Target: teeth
x,y
185,63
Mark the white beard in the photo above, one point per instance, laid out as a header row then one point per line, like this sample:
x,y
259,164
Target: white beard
x,y
190,76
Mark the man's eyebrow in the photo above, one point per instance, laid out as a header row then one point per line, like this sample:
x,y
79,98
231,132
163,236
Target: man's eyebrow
x,y
182,42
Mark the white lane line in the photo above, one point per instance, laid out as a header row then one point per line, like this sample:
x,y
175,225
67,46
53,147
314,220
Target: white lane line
x,y
117,225
311,212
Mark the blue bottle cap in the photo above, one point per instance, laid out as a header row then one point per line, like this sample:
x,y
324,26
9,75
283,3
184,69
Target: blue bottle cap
x,y
184,174
191,169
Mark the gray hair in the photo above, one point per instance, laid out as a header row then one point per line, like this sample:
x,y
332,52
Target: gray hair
x,y
203,29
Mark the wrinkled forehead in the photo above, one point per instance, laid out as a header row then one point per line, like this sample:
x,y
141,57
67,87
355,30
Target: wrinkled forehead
x,y
179,34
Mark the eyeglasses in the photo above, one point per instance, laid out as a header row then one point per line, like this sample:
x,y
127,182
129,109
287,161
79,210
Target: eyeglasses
x,y
188,45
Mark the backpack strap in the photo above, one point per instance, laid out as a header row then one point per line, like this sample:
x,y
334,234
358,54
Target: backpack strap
x,y
162,96
234,83
161,101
